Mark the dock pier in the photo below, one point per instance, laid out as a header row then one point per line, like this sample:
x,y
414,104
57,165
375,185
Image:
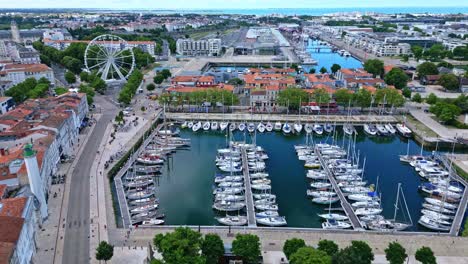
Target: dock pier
x,y
344,203
248,191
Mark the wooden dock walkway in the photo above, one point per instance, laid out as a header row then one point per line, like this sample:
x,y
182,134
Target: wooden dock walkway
x,y
248,191
344,203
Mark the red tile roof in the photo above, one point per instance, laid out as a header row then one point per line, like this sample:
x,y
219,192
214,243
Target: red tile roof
x,y
3,189
13,206
6,252
10,228
25,68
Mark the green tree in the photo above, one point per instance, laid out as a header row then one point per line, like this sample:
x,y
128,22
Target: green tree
x,y
335,67
320,96
158,79
89,93
246,246
212,248
295,67
395,253
235,81
426,68
449,82
150,87
308,255
166,73
405,58
417,98
389,96
435,52
461,52
425,256
181,246
432,99
292,245
60,90
358,252
343,96
20,92
84,76
446,112
406,92
363,98
312,71
104,251
374,66
99,85
417,52
328,246
396,77
292,97
323,70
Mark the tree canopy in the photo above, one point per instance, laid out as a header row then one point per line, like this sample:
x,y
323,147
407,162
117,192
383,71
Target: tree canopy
x,y
363,98
29,88
181,246
328,246
70,77
335,67
292,245
104,251
395,253
320,96
446,112
308,255
449,82
389,96
343,96
374,66
396,77
292,97
425,256
426,68
212,248
246,246
357,252
323,70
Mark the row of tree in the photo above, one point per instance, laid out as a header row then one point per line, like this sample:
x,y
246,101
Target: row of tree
x,y
29,88
292,97
185,245
437,52
130,88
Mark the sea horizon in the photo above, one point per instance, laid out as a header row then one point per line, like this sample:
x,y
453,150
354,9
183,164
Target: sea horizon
x,y
263,11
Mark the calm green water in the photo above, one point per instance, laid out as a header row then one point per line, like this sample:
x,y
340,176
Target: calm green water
x,y
186,184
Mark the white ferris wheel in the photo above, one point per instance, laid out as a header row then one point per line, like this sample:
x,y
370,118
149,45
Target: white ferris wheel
x,y
110,57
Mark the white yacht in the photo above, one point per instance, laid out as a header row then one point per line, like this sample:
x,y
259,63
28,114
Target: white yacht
x,y
251,127
333,224
337,217
190,125
223,125
286,128
196,126
318,129
272,221
297,128
277,126
370,129
261,127
233,220
269,127
206,126
403,130
241,127
390,128
267,214
308,128
214,125
232,126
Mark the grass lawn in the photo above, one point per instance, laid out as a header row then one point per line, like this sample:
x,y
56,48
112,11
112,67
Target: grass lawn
x,y
420,127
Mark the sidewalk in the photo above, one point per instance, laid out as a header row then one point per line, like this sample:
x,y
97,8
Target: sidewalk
x,y
442,131
49,237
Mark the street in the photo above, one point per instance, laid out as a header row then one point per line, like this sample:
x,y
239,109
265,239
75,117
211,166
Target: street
x,y
76,245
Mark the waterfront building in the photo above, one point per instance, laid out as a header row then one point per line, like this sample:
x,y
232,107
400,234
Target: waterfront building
x,y
12,74
198,81
189,89
190,47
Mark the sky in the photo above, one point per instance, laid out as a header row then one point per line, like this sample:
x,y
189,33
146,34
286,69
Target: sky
x,y
224,4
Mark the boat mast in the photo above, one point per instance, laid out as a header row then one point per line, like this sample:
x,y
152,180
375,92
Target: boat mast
x,y
396,202
406,205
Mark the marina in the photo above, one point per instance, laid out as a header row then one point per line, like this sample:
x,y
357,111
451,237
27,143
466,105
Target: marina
x,y
186,192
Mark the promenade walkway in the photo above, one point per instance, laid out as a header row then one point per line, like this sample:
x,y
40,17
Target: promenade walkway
x,y
243,117
344,203
248,191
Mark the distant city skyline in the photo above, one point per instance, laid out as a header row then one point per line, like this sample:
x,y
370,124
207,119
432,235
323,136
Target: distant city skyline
x,y
222,4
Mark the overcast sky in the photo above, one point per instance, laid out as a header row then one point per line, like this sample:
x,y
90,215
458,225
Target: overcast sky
x,y
223,4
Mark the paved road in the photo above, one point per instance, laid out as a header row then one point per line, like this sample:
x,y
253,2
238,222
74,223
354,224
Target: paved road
x,y
76,245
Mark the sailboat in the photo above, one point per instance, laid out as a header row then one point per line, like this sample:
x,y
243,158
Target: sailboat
x,y
190,125
241,127
261,127
184,124
390,128
214,125
392,225
206,126
269,127
196,126
232,126
318,129
286,128
297,127
223,125
232,220
251,127
277,126
370,129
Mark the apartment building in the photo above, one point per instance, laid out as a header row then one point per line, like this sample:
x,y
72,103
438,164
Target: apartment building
x,y
146,46
190,47
12,74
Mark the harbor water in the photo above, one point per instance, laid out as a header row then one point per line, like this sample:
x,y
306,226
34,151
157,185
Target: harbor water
x,y
186,184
